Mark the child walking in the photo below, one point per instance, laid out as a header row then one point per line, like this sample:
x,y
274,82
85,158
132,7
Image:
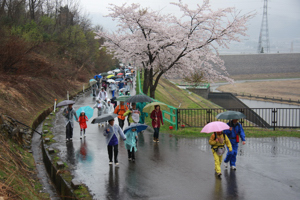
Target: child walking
x,y
82,123
217,142
130,143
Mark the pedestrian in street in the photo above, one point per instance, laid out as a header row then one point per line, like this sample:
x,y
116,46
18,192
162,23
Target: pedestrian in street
x,y
101,106
133,114
112,101
112,132
140,106
127,88
233,134
69,113
120,110
156,116
217,141
82,123
121,92
104,85
109,107
102,94
113,88
130,143
121,85
94,88
98,81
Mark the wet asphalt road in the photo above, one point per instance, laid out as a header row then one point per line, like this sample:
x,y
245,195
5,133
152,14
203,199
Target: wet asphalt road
x,y
179,168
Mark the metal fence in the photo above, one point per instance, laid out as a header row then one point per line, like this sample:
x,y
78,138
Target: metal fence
x,y
255,117
169,115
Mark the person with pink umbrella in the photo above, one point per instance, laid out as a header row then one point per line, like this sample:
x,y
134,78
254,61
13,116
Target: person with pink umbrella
x,y
217,141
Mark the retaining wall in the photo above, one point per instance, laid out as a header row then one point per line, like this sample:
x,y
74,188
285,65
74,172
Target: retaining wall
x,y
62,187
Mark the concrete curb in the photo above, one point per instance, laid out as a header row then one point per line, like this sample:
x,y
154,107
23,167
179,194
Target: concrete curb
x,y
62,187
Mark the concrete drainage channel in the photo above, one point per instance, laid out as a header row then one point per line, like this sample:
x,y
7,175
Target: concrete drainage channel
x,y
56,169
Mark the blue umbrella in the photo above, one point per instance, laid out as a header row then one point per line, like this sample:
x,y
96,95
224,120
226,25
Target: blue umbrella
x,y
92,81
119,79
88,111
99,76
139,127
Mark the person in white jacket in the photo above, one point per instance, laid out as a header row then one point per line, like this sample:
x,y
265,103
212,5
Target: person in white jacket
x,y
112,132
101,106
109,107
102,94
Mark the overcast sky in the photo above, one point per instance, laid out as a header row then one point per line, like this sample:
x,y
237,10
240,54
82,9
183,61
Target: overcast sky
x,y
283,17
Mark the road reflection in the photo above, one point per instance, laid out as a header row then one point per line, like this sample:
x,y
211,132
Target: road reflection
x,y
112,184
84,154
232,186
70,153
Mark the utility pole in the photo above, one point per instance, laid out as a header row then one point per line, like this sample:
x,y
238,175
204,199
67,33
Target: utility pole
x,y
263,41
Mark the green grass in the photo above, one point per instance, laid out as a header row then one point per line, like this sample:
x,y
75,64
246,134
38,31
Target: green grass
x,y
17,171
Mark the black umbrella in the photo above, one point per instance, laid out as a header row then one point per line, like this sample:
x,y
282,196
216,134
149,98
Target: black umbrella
x,y
230,115
139,98
104,118
104,74
65,103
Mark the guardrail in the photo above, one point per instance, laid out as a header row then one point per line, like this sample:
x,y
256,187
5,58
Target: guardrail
x,y
171,117
255,117
266,98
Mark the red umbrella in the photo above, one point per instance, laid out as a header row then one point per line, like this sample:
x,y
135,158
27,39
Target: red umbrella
x,y
120,74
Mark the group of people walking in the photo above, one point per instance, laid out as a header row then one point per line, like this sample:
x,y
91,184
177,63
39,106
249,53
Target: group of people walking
x,y
134,115
113,132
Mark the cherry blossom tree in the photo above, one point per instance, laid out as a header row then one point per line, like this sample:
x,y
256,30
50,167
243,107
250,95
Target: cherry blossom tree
x,y
171,46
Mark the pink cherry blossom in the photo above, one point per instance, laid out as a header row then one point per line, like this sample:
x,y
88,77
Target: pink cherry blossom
x,y
168,45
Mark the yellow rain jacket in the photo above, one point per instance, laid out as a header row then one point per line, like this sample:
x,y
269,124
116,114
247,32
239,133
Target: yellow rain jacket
x,y
215,145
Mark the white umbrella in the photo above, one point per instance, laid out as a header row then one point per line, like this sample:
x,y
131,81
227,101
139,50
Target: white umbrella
x,y
116,70
111,81
128,74
110,72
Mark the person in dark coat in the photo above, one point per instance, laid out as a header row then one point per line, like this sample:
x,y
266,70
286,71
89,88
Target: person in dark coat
x,y
156,116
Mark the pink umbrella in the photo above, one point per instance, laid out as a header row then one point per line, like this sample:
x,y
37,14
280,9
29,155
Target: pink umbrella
x,y
216,126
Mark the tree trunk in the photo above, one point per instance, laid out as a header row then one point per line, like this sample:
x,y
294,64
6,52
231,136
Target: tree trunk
x,y
146,81
2,8
153,85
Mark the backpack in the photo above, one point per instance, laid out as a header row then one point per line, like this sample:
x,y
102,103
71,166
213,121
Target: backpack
x,y
220,149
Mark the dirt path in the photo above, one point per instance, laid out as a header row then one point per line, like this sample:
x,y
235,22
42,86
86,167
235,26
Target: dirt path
x,y
286,89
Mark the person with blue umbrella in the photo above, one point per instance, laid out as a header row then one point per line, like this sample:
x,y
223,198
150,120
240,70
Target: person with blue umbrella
x,y
131,133
82,123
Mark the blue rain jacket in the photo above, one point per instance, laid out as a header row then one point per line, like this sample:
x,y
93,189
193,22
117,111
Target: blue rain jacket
x,y
237,129
130,142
